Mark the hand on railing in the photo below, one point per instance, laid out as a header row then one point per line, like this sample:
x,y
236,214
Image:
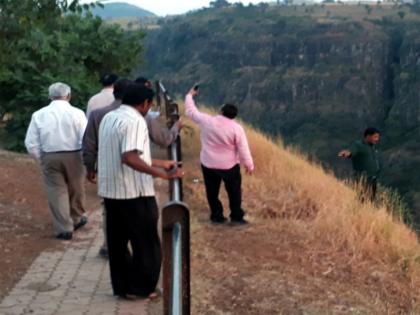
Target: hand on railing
x,y
172,168
175,173
170,164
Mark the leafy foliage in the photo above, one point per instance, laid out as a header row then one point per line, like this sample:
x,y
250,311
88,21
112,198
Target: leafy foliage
x,y
219,4
43,41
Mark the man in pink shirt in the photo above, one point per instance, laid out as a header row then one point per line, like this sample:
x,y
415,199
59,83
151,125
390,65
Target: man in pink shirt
x,y
223,147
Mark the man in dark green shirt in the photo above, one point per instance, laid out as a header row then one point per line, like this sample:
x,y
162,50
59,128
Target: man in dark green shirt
x,y
364,157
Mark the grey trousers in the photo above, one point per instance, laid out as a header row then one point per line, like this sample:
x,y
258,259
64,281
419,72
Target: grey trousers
x,y
64,176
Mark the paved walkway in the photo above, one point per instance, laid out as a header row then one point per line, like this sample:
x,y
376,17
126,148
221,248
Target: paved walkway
x,y
70,282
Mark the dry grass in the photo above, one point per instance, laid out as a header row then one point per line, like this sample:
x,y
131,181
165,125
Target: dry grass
x,y
286,186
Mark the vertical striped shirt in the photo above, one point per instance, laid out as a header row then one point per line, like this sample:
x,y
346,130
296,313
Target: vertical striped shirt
x,y
123,130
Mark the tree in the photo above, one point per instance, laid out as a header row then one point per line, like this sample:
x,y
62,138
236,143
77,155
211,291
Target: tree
x,y
43,41
368,9
219,4
414,6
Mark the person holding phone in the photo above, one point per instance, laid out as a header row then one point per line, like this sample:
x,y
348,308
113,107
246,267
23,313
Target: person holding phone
x,y
223,147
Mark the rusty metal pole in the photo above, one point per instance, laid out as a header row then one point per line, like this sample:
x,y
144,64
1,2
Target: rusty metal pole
x,y
175,232
176,291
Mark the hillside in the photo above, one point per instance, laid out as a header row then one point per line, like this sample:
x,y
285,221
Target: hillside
x,y
121,10
316,75
311,247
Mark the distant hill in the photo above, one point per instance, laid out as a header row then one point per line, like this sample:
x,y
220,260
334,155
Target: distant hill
x,y
121,9
316,75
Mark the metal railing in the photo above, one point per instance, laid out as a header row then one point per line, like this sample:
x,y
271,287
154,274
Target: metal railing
x,y
175,228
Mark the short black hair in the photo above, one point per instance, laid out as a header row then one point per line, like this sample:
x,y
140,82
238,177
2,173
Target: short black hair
x,y
136,94
229,111
141,80
108,79
371,131
120,87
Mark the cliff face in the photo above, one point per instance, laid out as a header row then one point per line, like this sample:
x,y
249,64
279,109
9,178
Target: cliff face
x,y
402,125
317,82
405,111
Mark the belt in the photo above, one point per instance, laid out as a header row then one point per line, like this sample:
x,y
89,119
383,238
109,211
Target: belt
x,y
53,152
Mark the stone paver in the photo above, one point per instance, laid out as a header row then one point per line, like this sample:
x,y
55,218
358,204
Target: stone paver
x,y
74,281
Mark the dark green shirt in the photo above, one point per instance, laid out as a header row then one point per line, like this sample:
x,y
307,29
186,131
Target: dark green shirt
x,y
365,159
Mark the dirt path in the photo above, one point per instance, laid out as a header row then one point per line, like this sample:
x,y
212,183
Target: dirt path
x,y
25,225
47,276
270,267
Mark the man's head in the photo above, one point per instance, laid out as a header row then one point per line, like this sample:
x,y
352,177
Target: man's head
x,y
139,96
372,135
59,91
108,80
228,110
119,88
143,81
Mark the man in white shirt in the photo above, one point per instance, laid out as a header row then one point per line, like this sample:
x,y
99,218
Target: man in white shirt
x,y
104,97
125,181
54,138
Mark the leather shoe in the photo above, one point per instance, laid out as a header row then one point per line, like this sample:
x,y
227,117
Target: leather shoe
x,y
103,252
83,221
218,220
65,236
239,222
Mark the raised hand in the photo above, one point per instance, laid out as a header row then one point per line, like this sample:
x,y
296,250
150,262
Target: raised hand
x,y
344,153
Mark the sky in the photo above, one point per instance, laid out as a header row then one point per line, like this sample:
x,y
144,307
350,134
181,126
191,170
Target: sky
x,y
168,7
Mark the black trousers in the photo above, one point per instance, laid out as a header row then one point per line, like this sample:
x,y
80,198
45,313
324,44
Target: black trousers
x,y
369,187
232,180
134,221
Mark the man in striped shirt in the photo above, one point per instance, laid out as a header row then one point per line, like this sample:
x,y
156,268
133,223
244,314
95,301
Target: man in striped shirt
x,y
125,181
158,134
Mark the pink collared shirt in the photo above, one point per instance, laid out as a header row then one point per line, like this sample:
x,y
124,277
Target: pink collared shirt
x,y
223,140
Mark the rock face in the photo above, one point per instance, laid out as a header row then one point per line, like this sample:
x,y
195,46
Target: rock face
x,y
318,82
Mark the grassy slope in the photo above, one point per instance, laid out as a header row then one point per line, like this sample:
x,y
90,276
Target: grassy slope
x,y
312,248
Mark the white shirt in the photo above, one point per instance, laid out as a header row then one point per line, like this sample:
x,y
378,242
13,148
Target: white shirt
x,y
123,130
100,100
56,127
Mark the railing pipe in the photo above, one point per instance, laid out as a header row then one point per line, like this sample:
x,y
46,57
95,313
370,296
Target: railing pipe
x,y
176,183
176,298
175,229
